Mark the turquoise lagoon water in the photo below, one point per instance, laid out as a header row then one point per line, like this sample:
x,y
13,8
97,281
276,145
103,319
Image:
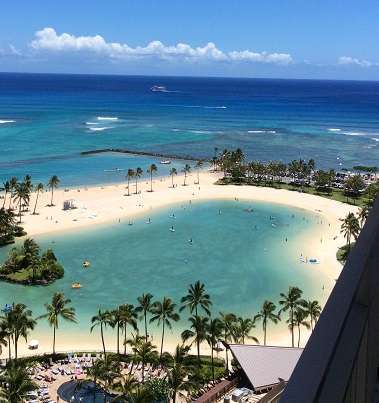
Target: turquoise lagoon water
x,y
241,256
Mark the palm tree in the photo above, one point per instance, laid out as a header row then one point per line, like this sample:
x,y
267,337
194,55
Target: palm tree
x,y
199,325
17,384
242,329
127,385
127,316
58,309
29,185
102,319
104,372
53,184
22,323
95,372
173,172
12,186
7,188
3,337
299,318
313,311
362,215
39,188
134,342
196,299
266,314
6,331
164,312
145,352
145,304
138,173
228,320
290,302
151,170
199,164
214,333
21,196
186,170
350,228
130,176
177,377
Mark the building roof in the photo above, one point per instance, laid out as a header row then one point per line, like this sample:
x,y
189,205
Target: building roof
x,y
266,365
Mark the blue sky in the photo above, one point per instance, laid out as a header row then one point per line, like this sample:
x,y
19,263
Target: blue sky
x,y
266,38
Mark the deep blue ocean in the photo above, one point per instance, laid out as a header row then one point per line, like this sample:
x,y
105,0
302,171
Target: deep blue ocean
x,y
47,120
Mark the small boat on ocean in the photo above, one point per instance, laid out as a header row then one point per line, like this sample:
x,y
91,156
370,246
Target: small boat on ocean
x,y
76,285
158,88
165,162
86,264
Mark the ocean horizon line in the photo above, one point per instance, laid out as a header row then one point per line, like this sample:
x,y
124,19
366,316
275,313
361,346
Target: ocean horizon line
x,y
168,76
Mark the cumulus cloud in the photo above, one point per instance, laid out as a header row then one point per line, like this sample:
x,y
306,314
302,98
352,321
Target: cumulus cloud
x,y
264,57
48,40
348,60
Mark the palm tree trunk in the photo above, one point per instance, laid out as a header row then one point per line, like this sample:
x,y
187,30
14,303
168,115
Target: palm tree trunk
x,y
292,333
145,326
298,340
160,357
151,181
125,339
143,371
102,339
118,338
19,211
198,352
264,332
136,185
172,180
52,196
54,341
174,397
35,206
15,348
128,186
213,365
9,348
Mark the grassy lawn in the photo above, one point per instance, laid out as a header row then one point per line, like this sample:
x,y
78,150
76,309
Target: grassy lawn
x,y
335,194
21,275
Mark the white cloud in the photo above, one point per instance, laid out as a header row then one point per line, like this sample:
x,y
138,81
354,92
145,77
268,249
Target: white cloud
x,y
264,57
47,40
347,60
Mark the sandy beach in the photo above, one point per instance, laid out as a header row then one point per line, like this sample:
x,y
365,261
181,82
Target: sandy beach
x,y
110,204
